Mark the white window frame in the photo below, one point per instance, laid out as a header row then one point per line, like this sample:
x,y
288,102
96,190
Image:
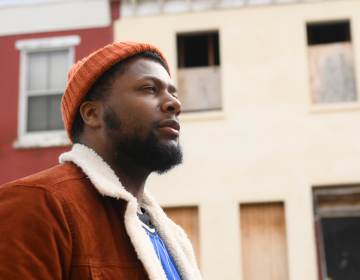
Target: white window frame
x,y
39,138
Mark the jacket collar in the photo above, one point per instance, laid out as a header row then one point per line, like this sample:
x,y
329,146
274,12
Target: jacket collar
x,y
99,172
108,184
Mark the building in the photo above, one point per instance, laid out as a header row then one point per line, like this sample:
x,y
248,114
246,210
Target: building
x,y
40,40
270,184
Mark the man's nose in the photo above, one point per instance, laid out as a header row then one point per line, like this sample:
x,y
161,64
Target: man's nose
x,y
171,105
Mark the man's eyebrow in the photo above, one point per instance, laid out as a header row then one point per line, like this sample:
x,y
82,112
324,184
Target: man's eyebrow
x,y
172,88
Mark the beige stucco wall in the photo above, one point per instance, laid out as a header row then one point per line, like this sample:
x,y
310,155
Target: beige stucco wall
x,y
268,143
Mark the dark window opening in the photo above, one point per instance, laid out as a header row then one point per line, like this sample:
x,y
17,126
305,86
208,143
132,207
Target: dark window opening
x,y
337,229
342,247
328,32
198,49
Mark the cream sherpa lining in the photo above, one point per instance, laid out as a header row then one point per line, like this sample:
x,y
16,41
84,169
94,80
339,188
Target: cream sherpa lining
x,y
107,183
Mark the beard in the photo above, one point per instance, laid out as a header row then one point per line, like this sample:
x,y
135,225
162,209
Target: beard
x,y
147,153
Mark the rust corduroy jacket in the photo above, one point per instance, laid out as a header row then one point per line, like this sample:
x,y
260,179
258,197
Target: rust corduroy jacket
x,y
76,221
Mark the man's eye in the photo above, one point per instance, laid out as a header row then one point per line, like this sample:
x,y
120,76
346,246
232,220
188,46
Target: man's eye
x,y
149,88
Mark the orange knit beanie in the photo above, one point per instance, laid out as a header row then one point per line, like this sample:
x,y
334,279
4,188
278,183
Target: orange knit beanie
x,y
85,72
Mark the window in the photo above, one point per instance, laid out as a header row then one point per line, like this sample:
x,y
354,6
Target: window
x,y
199,71
44,67
198,50
337,230
46,80
331,61
329,32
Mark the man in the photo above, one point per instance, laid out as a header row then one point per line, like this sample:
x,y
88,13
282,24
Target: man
x,y
90,217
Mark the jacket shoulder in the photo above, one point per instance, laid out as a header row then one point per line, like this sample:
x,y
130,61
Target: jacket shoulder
x,y
34,227
49,179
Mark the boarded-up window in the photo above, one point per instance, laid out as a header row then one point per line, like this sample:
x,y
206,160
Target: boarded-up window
x,y
263,236
337,224
331,63
188,219
199,71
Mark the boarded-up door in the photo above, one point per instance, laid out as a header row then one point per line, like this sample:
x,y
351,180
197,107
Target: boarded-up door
x,y
263,236
188,219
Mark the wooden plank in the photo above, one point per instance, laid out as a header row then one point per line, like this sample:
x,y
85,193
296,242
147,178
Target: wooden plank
x,y
337,201
211,50
188,219
200,88
332,74
263,236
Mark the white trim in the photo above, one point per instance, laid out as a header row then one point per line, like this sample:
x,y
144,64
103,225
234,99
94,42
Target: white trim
x,y
42,138
7,3
107,183
39,16
48,43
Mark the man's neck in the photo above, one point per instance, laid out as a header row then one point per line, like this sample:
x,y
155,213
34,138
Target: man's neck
x,y
131,176
133,179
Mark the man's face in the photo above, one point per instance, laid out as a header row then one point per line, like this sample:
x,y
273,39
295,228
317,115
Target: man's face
x,y
140,117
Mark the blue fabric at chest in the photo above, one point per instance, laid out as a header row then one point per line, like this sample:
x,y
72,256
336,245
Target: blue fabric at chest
x,y
161,251
164,257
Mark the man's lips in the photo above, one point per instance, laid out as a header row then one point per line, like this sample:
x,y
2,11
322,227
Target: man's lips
x,y
170,127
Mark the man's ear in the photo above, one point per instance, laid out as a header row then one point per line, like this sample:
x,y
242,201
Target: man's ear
x,y
91,113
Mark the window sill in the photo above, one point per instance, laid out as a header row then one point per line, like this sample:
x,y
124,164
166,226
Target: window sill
x,y
335,107
202,116
42,140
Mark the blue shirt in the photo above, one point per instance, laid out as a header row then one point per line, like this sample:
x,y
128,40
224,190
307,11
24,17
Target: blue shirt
x,y
162,253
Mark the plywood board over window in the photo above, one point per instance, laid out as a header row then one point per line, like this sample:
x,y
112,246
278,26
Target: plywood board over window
x,y
188,219
263,236
199,73
332,73
331,62
200,88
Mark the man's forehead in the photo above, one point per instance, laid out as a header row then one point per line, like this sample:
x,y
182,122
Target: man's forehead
x,y
145,68
145,65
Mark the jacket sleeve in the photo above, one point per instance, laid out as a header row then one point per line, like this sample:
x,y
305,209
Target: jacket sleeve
x,y
35,239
